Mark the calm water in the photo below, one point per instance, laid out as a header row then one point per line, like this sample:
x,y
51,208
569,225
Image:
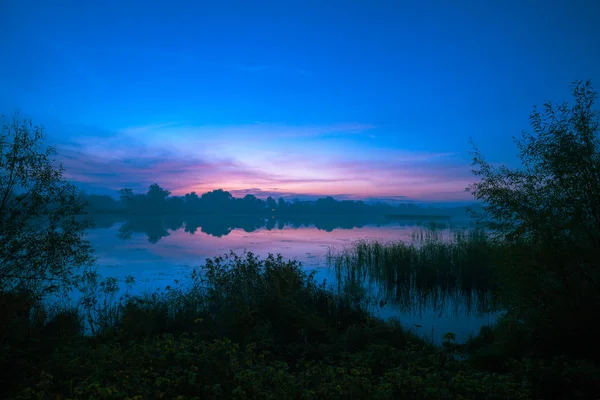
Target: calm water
x,y
157,251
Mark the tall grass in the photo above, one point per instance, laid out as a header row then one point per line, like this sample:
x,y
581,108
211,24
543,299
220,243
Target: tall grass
x,y
438,267
239,328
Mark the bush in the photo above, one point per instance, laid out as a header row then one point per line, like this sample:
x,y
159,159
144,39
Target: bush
x,y
244,328
547,215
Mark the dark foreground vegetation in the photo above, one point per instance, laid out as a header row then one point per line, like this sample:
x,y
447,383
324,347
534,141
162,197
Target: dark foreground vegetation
x,y
243,328
248,328
550,341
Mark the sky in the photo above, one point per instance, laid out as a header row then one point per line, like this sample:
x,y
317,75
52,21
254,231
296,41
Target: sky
x,y
353,99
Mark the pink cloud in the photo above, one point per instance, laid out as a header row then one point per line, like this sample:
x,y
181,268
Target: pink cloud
x,y
137,158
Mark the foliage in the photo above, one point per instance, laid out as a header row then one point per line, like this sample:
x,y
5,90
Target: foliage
x,y
555,198
158,201
243,328
547,217
240,328
41,236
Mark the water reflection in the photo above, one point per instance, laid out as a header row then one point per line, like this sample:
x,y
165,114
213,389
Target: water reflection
x,y
158,250
159,243
156,228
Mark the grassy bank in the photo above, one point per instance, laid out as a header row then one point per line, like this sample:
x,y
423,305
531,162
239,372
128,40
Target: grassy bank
x,y
245,328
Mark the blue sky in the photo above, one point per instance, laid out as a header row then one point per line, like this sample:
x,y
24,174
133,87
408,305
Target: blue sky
x,y
347,98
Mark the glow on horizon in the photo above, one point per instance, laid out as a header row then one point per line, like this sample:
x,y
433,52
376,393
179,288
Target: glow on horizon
x,y
353,100
264,159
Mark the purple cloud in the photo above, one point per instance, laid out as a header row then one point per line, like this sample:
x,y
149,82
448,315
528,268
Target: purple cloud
x,y
173,157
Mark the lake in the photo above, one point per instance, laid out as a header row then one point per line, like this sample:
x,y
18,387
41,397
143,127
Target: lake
x,y
156,251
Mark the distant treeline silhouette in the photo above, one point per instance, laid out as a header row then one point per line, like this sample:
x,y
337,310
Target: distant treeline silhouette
x,y
158,201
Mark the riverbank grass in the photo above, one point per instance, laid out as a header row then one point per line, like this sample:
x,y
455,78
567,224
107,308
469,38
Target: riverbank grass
x,y
243,328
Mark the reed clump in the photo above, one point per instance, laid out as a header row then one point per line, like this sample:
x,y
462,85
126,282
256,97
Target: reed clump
x,y
240,327
438,266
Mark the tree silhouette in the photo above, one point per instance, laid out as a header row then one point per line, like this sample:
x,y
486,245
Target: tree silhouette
x,y
252,204
270,204
127,197
41,239
158,201
548,212
217,201
156,198
281,205
192,202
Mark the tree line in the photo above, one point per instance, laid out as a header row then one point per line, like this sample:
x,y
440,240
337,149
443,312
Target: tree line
x,y
159,201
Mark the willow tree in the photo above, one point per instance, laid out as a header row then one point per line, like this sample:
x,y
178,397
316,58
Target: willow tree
x,y
548,214
42,244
